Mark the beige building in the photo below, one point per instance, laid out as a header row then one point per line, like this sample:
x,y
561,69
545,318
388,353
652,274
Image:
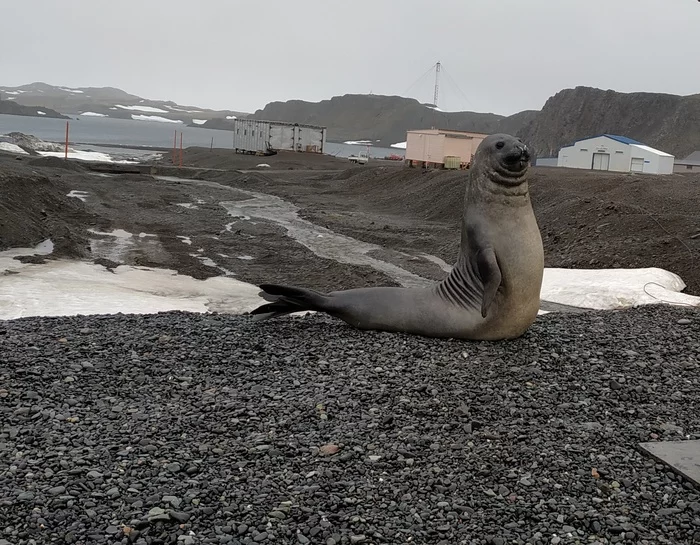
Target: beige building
x,y
438,148
689,164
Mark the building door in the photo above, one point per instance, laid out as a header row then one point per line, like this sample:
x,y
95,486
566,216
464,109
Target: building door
x,y
637,164
601,161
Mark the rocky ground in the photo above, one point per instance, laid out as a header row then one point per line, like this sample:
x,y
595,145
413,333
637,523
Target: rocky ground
x,y
211,429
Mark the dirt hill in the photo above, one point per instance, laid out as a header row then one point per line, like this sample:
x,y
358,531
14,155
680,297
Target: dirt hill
x,y
667,122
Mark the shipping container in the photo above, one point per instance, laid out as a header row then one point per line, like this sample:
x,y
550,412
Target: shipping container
x,y
266,137
433,148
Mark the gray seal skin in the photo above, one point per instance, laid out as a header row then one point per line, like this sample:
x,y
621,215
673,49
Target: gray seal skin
x,y
493,290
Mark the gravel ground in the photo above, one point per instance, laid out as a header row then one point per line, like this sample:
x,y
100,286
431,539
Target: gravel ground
x,y
182,428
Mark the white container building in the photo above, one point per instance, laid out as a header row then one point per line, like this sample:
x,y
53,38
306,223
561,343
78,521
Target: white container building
x,y
615,153
267,137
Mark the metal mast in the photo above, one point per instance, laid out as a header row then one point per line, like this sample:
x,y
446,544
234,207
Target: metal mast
x,y
437,79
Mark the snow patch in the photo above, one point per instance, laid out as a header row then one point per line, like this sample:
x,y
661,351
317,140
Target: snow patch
x,y
609,289
399,145
82,195
148,109
40,112
230,117
183,110
358,142
199,121
69,288
185,240
263,165
154,118
12,148
93,114
12,92
78,91
87,156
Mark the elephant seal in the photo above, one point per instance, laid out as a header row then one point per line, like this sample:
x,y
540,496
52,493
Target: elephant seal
x,y
493,290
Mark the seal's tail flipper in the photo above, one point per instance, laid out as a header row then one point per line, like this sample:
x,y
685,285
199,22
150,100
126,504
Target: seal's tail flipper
x,y
288,299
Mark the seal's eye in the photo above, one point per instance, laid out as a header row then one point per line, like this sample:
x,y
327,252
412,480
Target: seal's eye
x,y
500,144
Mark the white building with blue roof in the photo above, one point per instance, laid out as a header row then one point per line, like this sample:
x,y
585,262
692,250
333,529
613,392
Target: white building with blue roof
x,y
616,154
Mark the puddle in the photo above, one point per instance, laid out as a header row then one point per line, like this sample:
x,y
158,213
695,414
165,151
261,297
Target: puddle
x,y
113,246
116,245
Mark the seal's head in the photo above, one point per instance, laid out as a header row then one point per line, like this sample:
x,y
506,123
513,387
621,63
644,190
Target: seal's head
x,y
504,158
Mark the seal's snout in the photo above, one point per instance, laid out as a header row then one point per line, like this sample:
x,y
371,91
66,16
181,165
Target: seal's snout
x,y
518,157
524,153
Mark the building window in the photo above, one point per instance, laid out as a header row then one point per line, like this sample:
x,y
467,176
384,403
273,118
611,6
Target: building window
x,y
583,149
689,167
618,151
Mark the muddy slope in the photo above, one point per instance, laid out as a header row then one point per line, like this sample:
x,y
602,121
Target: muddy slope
x,y
35,207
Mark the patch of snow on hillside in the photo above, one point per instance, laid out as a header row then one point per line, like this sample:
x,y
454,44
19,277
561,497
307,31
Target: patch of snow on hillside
x,y
93,114
230,117
148,109
399,145
40,112
183,110
12,148
154,118
11,92
199,121
358,142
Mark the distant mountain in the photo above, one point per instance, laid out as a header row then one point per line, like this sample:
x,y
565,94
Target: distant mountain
x,y
108,102
12,108
667,122
384,120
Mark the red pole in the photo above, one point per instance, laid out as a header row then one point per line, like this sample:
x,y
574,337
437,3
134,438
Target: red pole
x,y
174,146
66,156
180,149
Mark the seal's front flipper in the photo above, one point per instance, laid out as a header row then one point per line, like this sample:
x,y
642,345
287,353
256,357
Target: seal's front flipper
x,y
490,274
287,299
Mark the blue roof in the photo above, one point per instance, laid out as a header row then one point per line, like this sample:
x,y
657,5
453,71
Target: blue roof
x,y
622,139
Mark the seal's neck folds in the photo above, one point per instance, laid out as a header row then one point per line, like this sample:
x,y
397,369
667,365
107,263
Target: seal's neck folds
x,y
497,185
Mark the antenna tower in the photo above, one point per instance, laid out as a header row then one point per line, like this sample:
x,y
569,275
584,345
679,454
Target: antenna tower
x,y
437,79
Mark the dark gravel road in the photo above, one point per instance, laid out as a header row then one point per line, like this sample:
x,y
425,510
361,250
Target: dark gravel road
x,y
189,429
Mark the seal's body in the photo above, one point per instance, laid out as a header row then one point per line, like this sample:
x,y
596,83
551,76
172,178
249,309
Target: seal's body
x,y
492,292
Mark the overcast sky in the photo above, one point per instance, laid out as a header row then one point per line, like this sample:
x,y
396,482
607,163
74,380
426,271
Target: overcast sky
x,y
499,56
